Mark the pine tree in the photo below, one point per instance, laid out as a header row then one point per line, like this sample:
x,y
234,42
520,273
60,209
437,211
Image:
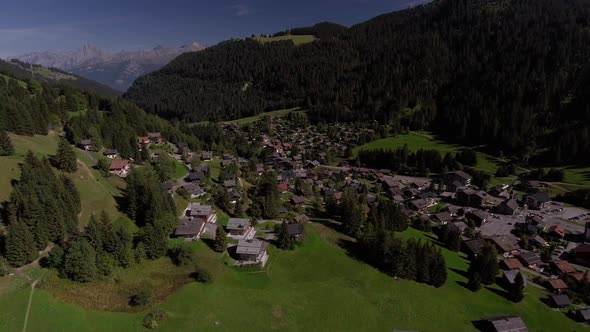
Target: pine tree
x,y
438,269
6,147
95,232
517,288
486,264
220,243
474,282
155,241
284,241
80,261
20,246
65,158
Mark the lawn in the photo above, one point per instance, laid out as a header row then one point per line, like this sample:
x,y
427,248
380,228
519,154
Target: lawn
x,y
180,171
577,175
422,140
297,39
252,119
316,287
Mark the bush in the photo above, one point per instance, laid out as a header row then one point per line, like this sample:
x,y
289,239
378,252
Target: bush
x,y
4,266
154,319
143,297
182,255
202,275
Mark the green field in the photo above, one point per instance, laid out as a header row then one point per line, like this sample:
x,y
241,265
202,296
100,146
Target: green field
x,y
421,140
252,119
21,83
96,192
297,39
316,287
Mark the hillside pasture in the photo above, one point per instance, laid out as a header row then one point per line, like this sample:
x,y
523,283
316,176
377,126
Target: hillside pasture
x,y
296,39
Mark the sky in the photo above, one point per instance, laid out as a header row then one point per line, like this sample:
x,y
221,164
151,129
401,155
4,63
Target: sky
x,y
112,25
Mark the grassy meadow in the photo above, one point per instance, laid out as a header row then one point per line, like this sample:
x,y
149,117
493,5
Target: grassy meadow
x,y
317,287
297,39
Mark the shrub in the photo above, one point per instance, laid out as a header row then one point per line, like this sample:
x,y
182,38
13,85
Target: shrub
x,y
154,319
143,297
182,255
202,275
4,266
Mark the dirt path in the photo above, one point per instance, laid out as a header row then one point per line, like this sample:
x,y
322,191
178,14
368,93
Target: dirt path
x,y
29,303
86,169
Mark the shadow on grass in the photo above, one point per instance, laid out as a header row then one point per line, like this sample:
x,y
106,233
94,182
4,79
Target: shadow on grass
x,y
499,292
462,273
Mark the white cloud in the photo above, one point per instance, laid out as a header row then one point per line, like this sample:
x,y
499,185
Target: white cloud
x,y
241,10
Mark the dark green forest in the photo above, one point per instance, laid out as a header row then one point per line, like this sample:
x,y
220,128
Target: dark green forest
x,y
510,74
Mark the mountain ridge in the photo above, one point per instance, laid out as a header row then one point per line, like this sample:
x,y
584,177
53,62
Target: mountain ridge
x,y
115,69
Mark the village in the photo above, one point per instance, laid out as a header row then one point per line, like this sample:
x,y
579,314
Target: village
x,y
545,241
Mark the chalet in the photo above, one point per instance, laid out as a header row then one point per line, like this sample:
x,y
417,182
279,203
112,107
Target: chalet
x,y
562,267
86,145
474,247
510,264
206,155
240,228
471,197
529,258
457,227
583,315
167,186
539,241
509,277
577,277
155,138
479,217
507,245
251,252
196,176
504,323
557,285
460,177
301,219
229,183
298,201
295,230
419,204
111,153
443,217
508,207
282,187
143,140
259,169
194,190
537,201
203,212
189,228
234,196
560,300
556,232
120,167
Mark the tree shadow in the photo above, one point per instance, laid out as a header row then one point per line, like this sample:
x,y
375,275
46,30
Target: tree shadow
x,y
209,242
460,272
480,325
499,292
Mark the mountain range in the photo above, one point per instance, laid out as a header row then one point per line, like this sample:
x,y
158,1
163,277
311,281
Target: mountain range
x,y
117,70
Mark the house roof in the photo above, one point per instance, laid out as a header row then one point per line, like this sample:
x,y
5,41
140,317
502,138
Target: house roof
x,y
189,226
110,152
510,203
475,246
558,229
295,229
511,276
563,266
507,323
557,284
193,188
282,187
118,164
198,210
505,243
298,200
86,142
512,263
251,247
530,258
561,300
584,313
238,224
540,197
443,216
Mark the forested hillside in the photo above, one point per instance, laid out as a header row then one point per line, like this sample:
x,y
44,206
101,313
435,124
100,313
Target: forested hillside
x,y
511,74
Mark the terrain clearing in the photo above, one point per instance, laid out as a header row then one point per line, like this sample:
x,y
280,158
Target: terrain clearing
x,y
293,294
296,39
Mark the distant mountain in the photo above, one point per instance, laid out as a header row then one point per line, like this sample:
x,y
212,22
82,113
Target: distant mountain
x,y
52,76
117,70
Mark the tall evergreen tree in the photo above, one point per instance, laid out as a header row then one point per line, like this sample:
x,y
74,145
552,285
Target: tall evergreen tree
x,y
517,289
474,283
80,261
65,158
20,245
284,241
220,244
6,147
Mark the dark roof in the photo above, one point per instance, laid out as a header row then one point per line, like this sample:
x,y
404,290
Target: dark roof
x,y
443,216
167,186
511,276
475,246
188,226
86,142
561,300
584,313
295,229
251,247
238,224
506,323
530,258
540,197
110,152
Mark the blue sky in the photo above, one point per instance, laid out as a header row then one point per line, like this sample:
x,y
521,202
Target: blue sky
x,y
36,25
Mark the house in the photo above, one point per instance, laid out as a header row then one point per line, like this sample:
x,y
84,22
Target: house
x,y
189,228
282,187
240,228
155,138
295,230
458,227
529,258
143,140
510,277
503,323
120,167
443,217
111,153
298,200
557,285
539,241
560,300
419,204
471,197
474,247
86,144
508,207
510,264
507,245
167,186
537,201
577,277
583,315
556,232
204,212
194,190
462,178
479,217
251,252
206,155
562,267
229,183
301,219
